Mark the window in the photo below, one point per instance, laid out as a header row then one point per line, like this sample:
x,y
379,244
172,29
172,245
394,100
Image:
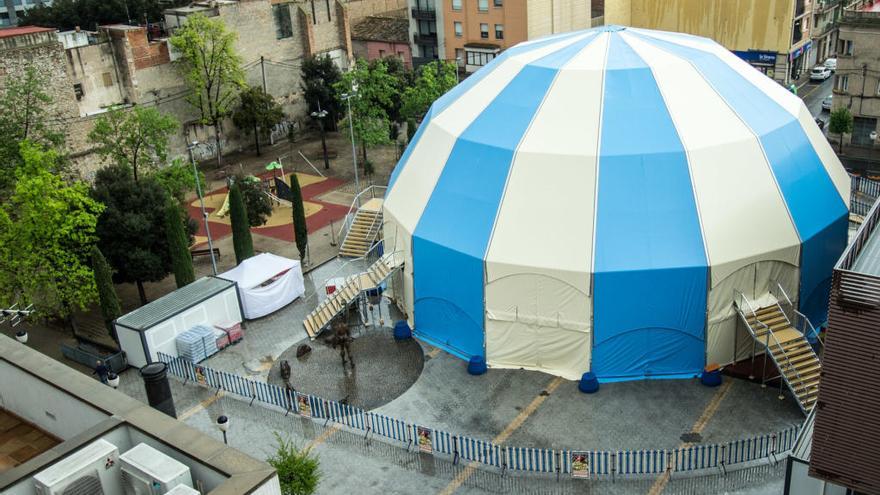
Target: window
x,y
399,55
381,55
846,47
459,56
108,79
499,31
456,4
483,5
498,3
878,92
842,83
458,30
78,91
283,26
484,30
4,19
479,58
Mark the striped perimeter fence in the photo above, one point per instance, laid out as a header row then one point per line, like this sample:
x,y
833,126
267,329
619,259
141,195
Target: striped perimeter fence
x,y
593,464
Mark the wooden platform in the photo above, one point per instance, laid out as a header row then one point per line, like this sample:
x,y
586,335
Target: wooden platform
x,y
21,441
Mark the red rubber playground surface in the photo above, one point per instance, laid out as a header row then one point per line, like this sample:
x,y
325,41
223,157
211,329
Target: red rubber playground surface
x,y
319,214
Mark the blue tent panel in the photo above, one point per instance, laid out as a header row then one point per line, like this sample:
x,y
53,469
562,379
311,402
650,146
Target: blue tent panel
x,y
820,253
650,267
461,211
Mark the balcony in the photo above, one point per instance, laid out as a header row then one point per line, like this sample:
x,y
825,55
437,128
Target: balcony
x,y
425,39
424,14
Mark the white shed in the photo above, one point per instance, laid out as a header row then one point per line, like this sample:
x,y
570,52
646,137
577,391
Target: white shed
x,y
152,328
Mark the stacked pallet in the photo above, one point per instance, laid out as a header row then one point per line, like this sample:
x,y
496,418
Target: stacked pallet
x,y
197,343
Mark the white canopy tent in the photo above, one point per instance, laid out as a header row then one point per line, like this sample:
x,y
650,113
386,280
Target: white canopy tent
x,y
266,283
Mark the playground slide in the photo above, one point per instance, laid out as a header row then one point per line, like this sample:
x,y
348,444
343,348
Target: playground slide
x,y
223,209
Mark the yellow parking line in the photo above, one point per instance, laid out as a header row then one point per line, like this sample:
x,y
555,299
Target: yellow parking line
x,y
710,410
323,437
200,406
514,425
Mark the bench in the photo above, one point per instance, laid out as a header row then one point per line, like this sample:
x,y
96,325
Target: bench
x,y
204,252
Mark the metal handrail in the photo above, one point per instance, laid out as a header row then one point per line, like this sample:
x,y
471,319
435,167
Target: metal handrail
x,y
767,336
355,205
802,323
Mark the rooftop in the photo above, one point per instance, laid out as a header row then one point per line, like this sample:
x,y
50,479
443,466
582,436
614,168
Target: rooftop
x,y
23,30
391,27
174,302
79,411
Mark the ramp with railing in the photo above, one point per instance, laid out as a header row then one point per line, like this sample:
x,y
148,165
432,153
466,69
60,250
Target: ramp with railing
x,y
350,290
784,335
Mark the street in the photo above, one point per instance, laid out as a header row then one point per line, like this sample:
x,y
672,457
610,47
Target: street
x,y
813,94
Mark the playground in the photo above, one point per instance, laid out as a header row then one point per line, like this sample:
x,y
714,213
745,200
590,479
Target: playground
x,y
279,224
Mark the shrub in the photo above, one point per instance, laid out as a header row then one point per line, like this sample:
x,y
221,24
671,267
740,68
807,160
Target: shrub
x,y
297,468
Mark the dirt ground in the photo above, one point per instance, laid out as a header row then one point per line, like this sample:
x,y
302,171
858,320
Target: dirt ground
x,y
323,244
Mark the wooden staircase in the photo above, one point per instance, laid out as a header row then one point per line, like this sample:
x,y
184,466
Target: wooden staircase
x,y
349,291
364,230
790,350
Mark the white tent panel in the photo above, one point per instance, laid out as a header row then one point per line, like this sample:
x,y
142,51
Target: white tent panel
x,y
396,238
742,213
755,281
537,294
541,326
829,158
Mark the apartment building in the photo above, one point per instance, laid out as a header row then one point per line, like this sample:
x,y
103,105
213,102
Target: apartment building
x,y
857,81
473,32
774,36
10,10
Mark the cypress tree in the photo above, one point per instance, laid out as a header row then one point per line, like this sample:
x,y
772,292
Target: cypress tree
x,y
181,259
110,308
241,228
300,231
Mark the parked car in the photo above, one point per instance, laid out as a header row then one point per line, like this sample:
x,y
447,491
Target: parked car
x,y
820,73
820,123
826,103
831,63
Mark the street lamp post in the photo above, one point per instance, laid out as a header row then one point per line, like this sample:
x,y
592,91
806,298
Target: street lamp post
x,y
202,202
458,69
347,97
319,115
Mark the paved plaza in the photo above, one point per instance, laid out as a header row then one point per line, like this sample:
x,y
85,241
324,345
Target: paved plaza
x,y
424,385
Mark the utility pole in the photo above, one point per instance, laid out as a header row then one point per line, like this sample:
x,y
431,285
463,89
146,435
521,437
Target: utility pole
x,y
202,201
263,71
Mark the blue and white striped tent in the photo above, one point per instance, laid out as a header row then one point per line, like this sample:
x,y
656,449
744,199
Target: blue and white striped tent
x,y
595,200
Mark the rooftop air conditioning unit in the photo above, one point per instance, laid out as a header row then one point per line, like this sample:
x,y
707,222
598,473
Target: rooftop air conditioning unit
x,y
91,470
146,471
183,490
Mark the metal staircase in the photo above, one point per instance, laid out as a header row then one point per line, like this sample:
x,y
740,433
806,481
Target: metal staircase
x,y
349,291
364,230
782,333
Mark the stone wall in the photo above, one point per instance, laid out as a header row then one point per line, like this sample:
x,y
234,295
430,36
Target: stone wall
x,y
93,68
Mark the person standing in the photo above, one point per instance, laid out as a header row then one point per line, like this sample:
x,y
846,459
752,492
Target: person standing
x,y
102,371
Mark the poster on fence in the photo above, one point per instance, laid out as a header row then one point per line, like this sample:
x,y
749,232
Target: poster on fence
x,y
580,465
303,407
426,441
201,378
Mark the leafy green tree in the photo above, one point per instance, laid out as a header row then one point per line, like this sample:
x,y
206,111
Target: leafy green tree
x,y
403,78
319,76
300,230
133,138
211,68
242,242
841,123
107,297
256,202
411,128
375,90
131,230
432,81
178,246
177,178
47,230
89,14
256,112
298,470
25,116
